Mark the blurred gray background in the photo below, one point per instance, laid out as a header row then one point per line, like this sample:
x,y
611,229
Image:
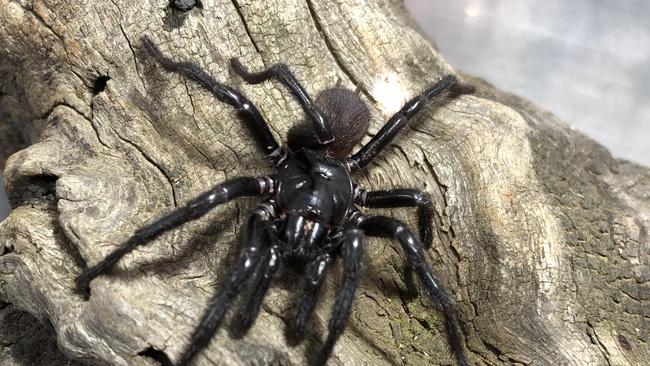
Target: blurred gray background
x,y
588,61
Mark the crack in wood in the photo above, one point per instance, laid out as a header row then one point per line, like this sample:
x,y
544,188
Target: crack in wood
x,y
153,163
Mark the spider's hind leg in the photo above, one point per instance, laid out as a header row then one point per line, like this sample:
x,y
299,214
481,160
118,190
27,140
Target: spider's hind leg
x,y
282,73
448,84
245,108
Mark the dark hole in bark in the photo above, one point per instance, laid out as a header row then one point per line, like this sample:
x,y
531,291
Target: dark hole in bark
x,y
177,12
100,84
33,189
157,355
625,344
5,250
185,5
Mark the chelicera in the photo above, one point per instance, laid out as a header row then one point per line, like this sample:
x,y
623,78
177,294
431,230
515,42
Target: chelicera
x,y
309,214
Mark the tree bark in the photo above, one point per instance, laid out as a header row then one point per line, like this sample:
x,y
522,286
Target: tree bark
x,y
542,237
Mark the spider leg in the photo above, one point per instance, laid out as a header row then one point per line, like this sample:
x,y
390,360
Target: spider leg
x,y
402,198
387,227
400,119
259,286
197,207
245,108
282,73
254,248
315,276
352,253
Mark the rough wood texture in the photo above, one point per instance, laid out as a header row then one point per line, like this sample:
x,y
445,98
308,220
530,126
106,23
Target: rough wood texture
x,y
542,235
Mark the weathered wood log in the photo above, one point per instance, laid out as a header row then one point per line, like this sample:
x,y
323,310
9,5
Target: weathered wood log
x,y
542,237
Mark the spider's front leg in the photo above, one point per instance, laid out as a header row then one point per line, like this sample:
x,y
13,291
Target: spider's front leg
x,y
315,276
255,247
352,253
197,207
258,287
388,227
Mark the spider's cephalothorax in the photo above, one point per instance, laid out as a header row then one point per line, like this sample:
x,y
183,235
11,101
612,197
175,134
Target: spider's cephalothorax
x,y
308,216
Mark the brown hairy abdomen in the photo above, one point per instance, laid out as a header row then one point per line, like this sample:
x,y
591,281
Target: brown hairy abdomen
x,y
348,116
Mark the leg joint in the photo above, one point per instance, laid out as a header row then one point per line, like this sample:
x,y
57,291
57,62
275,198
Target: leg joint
x,y
422,198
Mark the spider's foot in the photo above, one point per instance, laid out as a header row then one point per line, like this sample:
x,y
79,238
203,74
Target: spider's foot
x,y
238,67
82,285
188,355
323,355
462,361
461,88
295,333
240,325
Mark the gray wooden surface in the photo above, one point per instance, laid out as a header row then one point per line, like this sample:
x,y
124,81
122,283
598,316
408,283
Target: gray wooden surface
x,y
550,52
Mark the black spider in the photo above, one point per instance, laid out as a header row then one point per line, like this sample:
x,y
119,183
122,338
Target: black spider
x,y
309,215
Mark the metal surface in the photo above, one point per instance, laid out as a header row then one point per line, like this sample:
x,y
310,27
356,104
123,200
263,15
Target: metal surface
x,y
587,61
